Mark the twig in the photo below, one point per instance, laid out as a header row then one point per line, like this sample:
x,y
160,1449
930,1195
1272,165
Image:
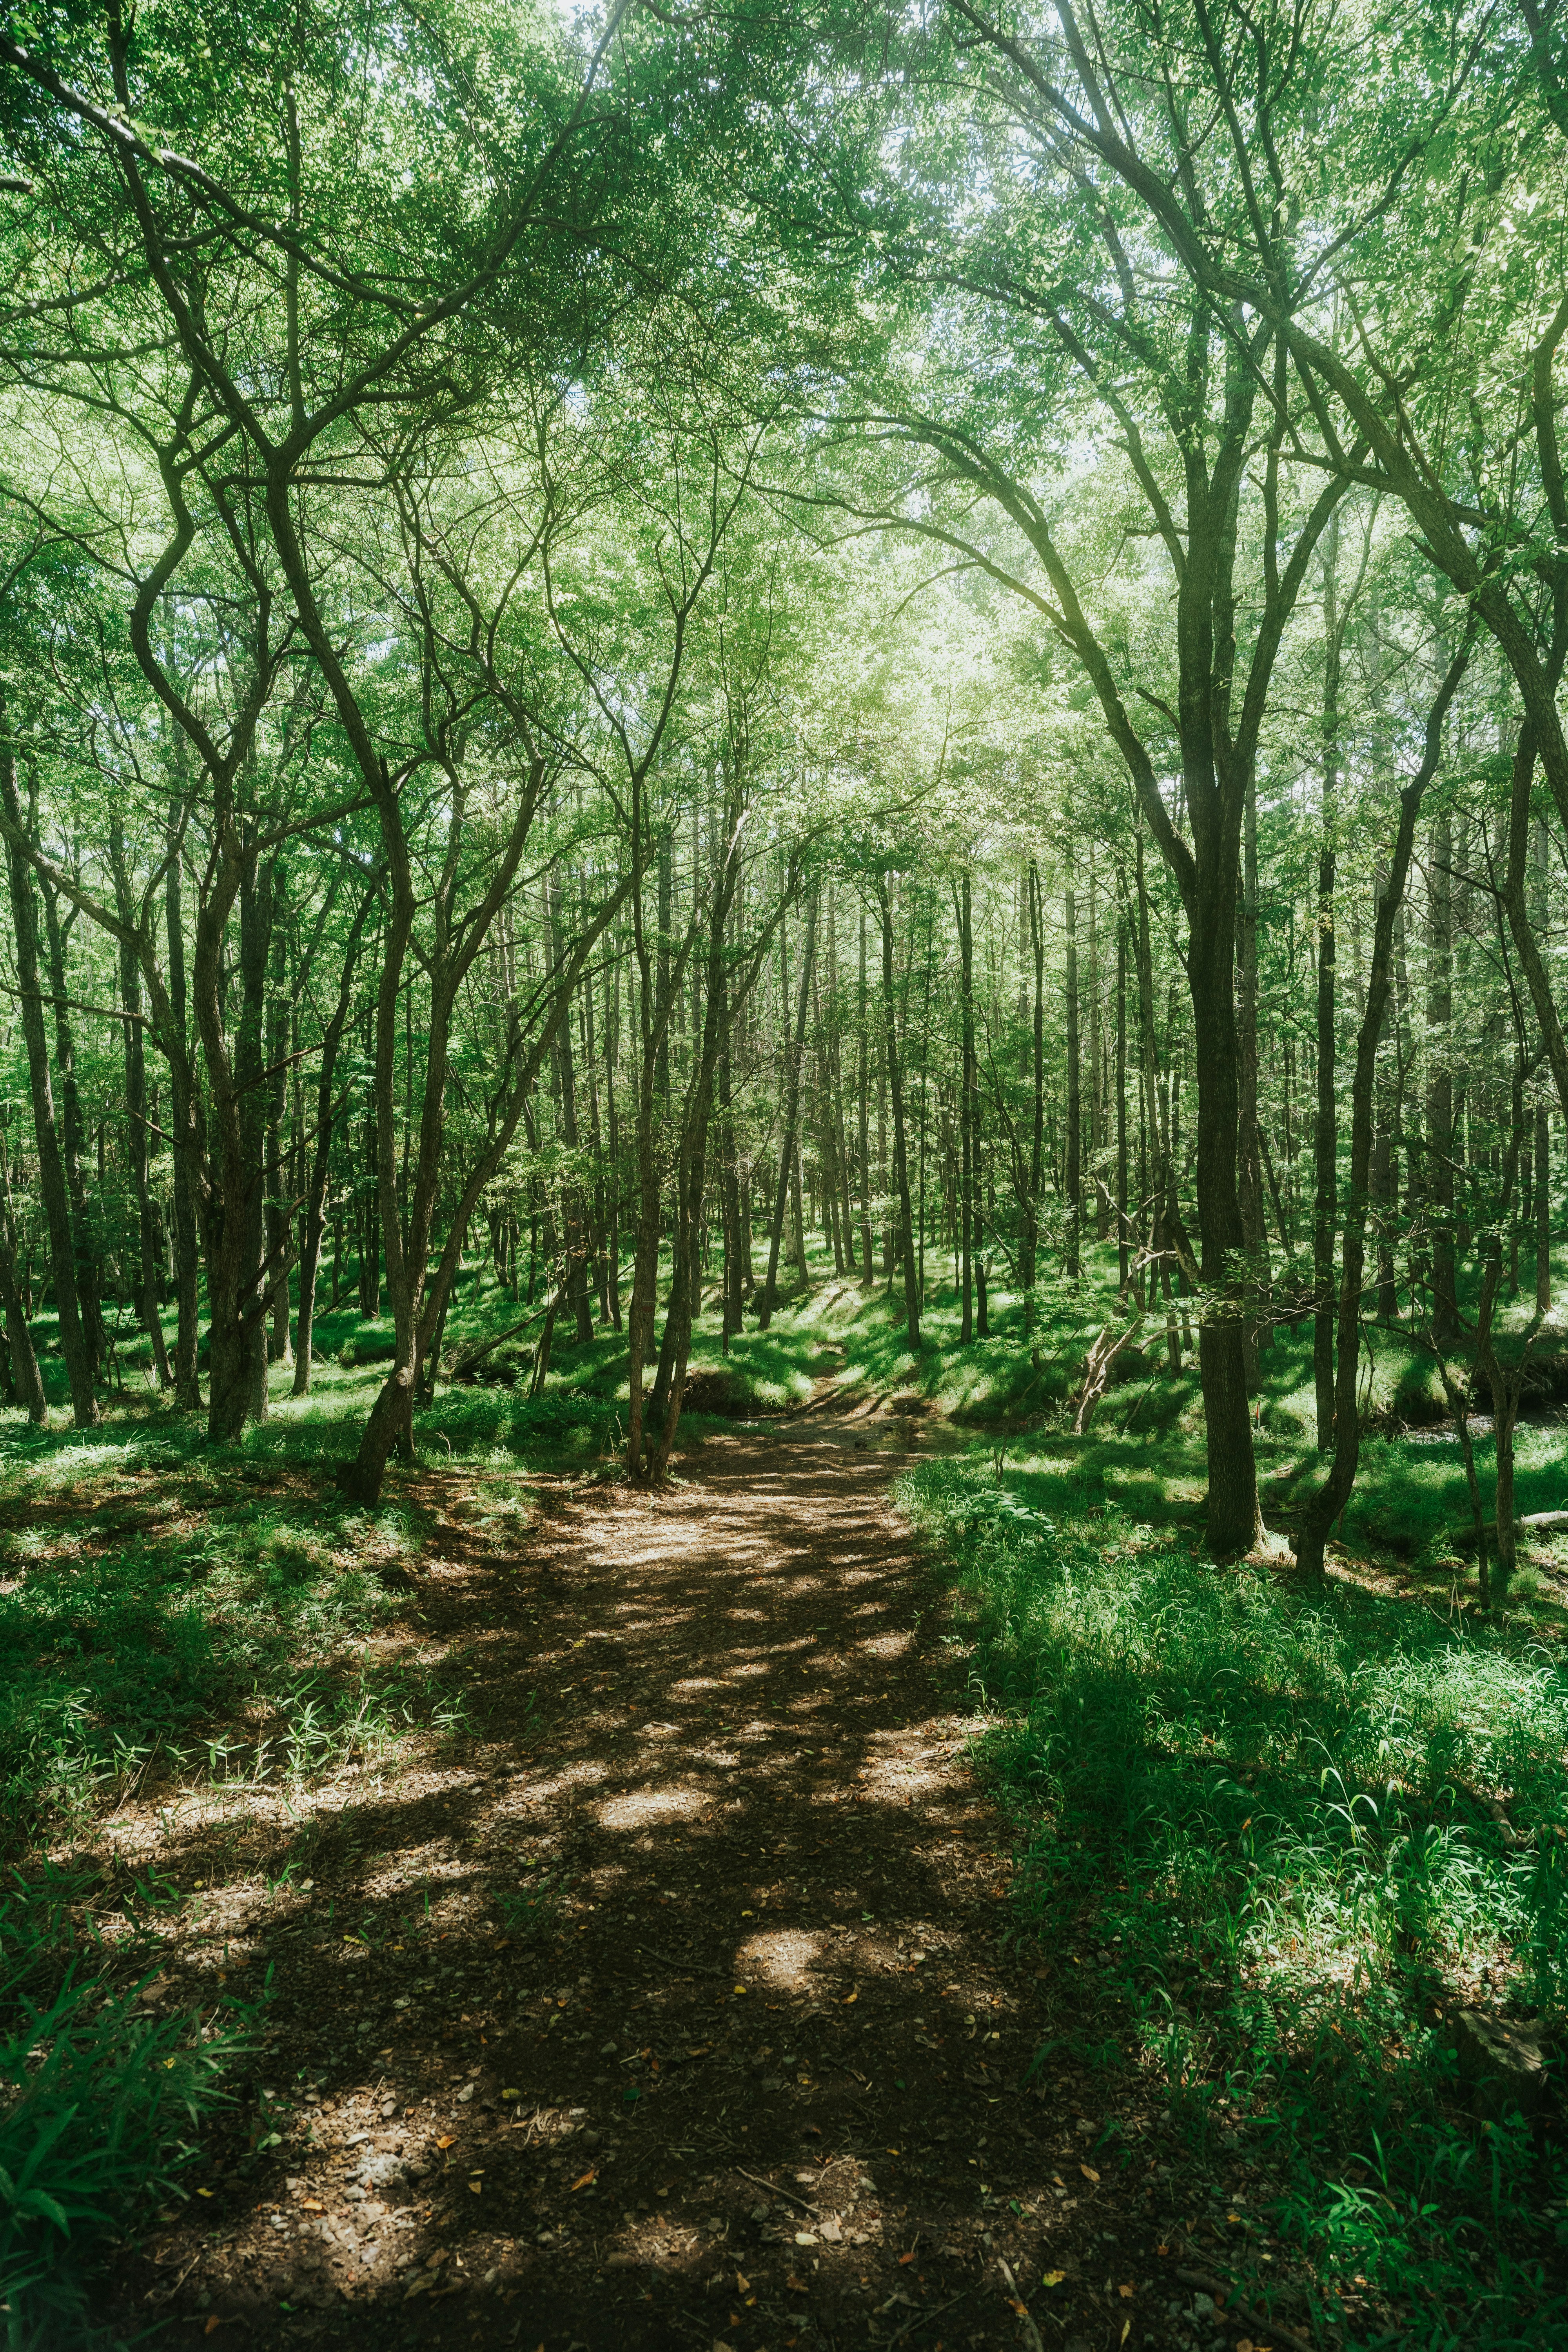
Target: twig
x,y
757,2181
1031,2335
169,2292
698,1968
920,2319
1229,2306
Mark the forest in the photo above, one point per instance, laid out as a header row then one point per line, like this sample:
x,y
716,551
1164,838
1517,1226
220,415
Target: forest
x,y
785,809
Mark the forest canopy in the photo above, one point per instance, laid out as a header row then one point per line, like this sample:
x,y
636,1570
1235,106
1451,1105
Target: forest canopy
x,y
629,635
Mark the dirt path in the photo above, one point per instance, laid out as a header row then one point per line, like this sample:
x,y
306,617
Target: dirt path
x,y
686,2014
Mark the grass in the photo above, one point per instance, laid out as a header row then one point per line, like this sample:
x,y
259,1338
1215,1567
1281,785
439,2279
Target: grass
x,y
1278,1814
1278,1806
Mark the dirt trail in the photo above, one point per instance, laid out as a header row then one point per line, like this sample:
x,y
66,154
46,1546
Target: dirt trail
x,y
753,2073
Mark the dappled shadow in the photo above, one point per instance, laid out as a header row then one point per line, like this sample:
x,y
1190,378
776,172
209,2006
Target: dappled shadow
x,y
676,2008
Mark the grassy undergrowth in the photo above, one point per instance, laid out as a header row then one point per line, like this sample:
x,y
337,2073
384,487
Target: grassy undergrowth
x,y
187,1619
1305,1829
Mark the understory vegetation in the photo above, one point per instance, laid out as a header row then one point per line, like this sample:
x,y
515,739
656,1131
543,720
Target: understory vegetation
x,y
1304,1824
1301,1830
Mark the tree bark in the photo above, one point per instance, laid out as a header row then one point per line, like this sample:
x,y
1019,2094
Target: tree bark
x,y
1324,1506
1325,1155
148,1285
51,1169
1073,1175
904,1206
789,1165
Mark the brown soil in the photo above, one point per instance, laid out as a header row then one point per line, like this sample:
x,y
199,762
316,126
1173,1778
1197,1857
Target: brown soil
x,y
692,2010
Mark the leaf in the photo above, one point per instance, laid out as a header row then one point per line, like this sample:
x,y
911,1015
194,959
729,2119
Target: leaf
x,y
213,2322
582,2182
1088,2172
849,1997
1126,2293
448,2142
1053,2278
1021,2308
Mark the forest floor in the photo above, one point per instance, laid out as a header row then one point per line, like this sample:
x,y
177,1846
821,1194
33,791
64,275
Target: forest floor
x,y
885,1888
748,2058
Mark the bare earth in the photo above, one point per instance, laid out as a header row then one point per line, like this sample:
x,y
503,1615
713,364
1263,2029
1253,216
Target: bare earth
x,y
690,2009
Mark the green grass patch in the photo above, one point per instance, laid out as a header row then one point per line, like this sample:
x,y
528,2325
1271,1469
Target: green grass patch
x,y
1276,1817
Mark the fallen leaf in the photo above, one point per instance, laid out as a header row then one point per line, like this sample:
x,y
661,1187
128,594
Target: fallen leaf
x,y
849,1997
1053,2278
1162,2249
204,2193
1244,2344
475,2187
512,2094
1088,2172
743,2285
796,2285
448,2142
592,2174
1021,2308
312,2205
213,2322
906,2258
1126,2329
738,1988
1126,2293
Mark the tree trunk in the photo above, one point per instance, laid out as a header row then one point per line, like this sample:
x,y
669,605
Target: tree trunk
x,y
73,1140
1325,1132
187,1245
148,1285
789,1165
1073,1176
903,1206
25,1372
1124,1255
1250,1175
320,1165
1439,1187
1334,1491
965,1111
51,1170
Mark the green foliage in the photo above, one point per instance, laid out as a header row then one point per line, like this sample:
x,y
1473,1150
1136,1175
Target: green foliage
x,y
1276,1817
97,2105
